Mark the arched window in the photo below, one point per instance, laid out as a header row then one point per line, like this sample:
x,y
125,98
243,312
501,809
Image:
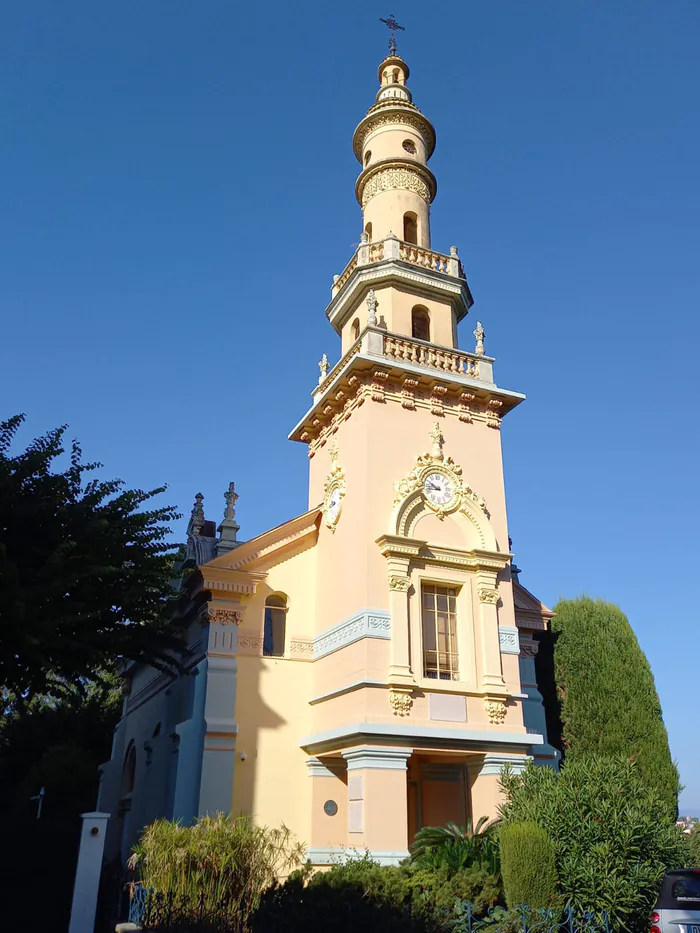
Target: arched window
x,y
275,625
129,771
368,230
410,227
368,156
395,76
355,329
420,323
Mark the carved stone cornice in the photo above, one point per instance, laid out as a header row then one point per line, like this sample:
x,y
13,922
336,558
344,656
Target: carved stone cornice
x,y
226,580
368,377
397,546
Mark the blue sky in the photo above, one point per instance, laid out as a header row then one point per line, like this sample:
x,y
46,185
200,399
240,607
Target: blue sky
x,y
177,192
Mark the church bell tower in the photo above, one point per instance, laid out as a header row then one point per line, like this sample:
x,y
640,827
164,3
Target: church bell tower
x,y
403,437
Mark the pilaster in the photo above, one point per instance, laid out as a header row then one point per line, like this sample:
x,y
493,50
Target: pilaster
x,y
378,798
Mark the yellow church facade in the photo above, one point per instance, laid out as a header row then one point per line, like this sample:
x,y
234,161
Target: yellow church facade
x,y
366,668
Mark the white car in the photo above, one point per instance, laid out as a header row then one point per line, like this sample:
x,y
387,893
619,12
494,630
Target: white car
x,y
678,907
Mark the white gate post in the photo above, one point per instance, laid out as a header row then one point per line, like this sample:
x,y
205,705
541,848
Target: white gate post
x,y
87,874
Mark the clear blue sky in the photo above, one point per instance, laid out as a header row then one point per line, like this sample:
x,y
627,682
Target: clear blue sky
x,y
177,192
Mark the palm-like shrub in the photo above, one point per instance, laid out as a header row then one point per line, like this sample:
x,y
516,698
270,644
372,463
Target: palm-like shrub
x,y
217,866
528,865
458,846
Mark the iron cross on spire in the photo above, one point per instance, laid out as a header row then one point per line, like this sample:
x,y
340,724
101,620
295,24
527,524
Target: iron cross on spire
x,y
393,26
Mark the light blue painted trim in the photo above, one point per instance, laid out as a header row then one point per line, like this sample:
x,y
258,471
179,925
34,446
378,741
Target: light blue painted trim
x,y
377,758
493,764
509,639
337,855
348,688
369,623
410,732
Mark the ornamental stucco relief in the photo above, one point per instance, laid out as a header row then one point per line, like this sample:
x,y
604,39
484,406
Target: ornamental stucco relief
x,y
391,178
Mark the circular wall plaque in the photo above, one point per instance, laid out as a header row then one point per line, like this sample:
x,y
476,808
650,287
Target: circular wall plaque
x,y
330,808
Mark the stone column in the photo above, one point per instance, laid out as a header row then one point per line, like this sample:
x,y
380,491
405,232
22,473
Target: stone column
x,y
378,801
87,873
329,810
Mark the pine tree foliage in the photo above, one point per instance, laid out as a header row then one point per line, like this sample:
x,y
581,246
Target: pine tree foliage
x,y
609,703
85,570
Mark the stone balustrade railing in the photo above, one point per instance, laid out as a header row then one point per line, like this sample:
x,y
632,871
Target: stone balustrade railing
x,y
378,343
393,248
408,350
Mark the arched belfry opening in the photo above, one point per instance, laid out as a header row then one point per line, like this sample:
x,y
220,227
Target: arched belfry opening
x,y
410,227
368,230
420,323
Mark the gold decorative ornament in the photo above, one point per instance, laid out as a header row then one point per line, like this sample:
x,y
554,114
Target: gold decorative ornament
x,y
401,701
333,490
440,480
495,710
225,616
488,595
399,582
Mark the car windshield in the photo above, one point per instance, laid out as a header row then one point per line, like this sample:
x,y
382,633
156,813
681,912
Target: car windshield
x,y
686,888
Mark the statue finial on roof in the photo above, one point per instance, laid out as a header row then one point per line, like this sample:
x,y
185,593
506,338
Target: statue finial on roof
x,y
228,529
197,517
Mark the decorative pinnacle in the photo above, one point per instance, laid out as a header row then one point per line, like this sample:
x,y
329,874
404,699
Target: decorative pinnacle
x,y
197,517
372,306
323,366
392,25
479,333
231,496
438,441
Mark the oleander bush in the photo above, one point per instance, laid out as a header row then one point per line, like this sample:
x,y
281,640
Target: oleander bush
x,y
611,836
528,865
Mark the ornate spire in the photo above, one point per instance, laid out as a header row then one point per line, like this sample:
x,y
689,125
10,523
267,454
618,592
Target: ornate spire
x,y
479,333
372,308
392,25
228,528
323,368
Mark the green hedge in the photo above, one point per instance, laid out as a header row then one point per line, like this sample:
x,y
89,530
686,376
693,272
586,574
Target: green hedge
x,y
528,865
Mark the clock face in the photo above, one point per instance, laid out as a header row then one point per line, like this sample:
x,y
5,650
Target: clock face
x,y
333,506
437,488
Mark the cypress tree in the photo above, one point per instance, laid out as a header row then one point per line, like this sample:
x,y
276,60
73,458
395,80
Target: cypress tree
x,y
609,703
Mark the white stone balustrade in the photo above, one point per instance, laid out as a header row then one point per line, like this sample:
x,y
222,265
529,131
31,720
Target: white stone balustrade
x,y
377,342
425,354
393,248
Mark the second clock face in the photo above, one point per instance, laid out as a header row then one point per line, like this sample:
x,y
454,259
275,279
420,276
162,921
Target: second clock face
x,y
333,507
438,489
